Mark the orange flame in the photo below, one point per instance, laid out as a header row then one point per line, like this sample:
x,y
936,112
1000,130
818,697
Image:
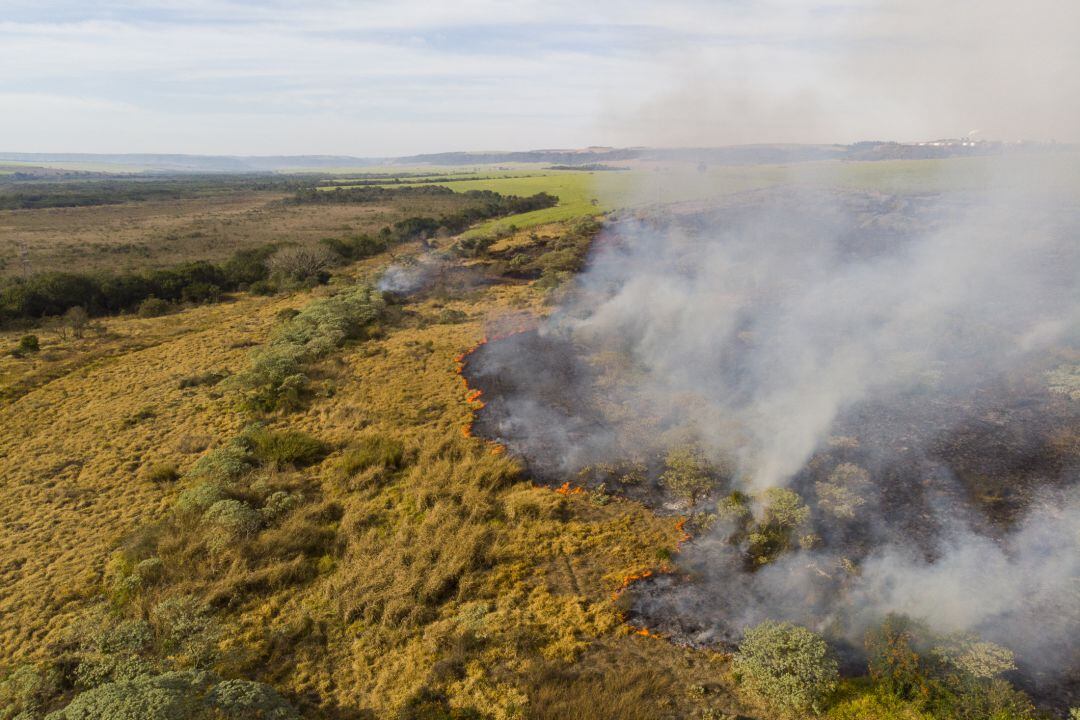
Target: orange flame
x,y
565,489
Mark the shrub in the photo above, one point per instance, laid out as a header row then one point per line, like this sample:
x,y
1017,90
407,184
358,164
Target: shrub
x,y
973,658
186,632
25,691
197,499
786,666
200,292
190,695
29,344
230,521
689,474
153,307
223,464
892,660
373,451
301,263
286,447
207,379
783,516
842,494
162,473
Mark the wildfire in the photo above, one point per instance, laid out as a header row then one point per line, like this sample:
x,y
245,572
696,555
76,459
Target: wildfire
x,y
684,536
630,580
565,489
646,632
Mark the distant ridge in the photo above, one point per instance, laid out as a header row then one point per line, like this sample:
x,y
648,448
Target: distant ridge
x,y
730,155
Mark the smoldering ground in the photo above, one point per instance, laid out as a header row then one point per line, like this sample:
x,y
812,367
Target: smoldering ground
x,y
793,331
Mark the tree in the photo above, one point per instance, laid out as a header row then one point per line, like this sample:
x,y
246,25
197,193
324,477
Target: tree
x,y
783,516
689,474
300,263
786,666
892,660
77,319
843,493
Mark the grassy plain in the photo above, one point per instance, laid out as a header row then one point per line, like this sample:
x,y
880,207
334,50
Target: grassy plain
x,y
446,574
452,574
162,233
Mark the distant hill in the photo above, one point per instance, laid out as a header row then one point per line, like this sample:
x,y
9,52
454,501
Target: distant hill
x,y
569,158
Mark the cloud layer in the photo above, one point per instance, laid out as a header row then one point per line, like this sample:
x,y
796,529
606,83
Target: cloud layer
x,y
382,78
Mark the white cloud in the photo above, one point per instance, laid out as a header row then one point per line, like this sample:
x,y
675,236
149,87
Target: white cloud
x,y
360,77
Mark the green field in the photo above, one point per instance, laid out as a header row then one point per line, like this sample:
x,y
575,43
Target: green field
x,y
590,193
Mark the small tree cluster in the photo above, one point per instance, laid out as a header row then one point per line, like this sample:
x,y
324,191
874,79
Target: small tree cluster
x,y
786,666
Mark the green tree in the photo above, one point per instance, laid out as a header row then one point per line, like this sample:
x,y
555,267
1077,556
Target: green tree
x,y
786,666
689,474
894,664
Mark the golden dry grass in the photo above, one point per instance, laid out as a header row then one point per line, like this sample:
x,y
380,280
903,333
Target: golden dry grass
x,y
162,233
454,573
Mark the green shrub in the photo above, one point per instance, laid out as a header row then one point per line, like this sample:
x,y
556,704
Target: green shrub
x,y
688,474
223,464
197,499
230,521
153,307
187,695
29,344
784,515
786,666
286,447
25,691
186,632
894,664
380,451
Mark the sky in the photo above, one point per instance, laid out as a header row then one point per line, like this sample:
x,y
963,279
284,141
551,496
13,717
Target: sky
x,y
374,78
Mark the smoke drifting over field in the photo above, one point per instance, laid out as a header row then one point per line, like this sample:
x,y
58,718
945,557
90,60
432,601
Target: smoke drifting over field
x,y
791,332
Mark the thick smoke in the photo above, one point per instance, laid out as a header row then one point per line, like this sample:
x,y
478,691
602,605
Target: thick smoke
x,y
787,331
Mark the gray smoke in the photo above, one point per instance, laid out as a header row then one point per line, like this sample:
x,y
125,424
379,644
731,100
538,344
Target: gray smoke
x,y
920,326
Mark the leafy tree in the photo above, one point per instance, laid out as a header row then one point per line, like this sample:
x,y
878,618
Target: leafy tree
x,y
689,474
787,666
843,493
784,514
893,662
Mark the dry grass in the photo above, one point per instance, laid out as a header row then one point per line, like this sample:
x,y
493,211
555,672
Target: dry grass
x,y
140,235
449,571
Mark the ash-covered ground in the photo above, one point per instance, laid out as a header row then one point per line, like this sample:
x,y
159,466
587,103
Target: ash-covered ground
x,y
909,366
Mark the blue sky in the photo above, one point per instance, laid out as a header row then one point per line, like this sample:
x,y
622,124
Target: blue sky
x,y
388,78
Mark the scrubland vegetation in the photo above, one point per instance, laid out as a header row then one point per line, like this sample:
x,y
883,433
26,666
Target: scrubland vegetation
x,y
274,508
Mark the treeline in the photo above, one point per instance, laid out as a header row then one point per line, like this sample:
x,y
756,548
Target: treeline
x,y
53,293
42,195
264,269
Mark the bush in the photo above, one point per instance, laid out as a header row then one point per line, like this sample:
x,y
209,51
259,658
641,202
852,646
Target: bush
x,y
230,521
783,516
162,473
29,344
843,493
224,463
190,695
689,474
275,379
153,307
286,447
372,451
892,660
786,666
301,263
